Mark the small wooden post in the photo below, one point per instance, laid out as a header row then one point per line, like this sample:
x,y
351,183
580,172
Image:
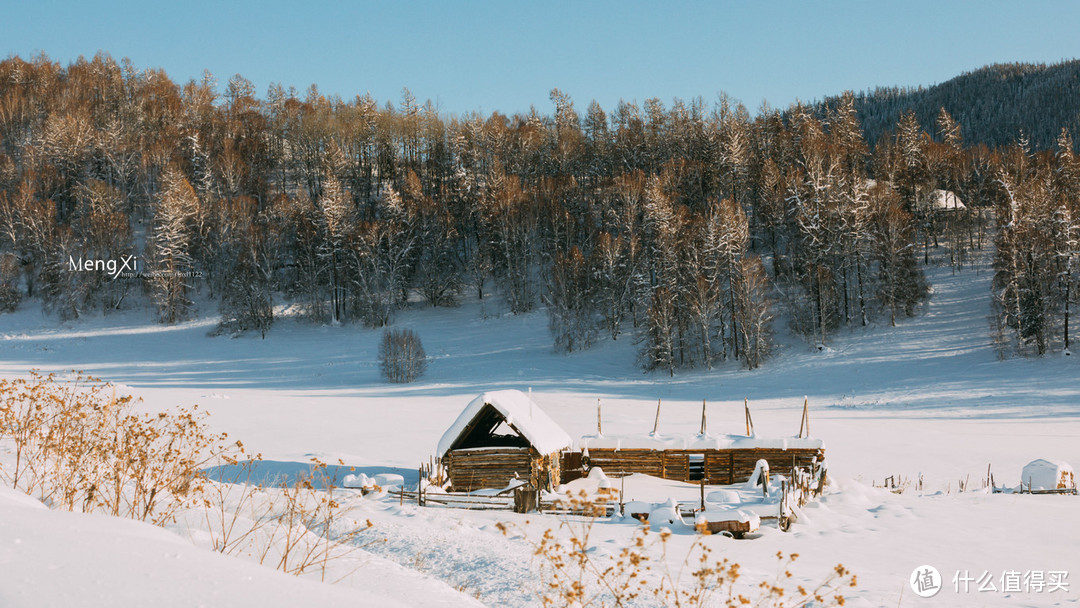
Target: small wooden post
x,y
804,424
749,420
622,490
656,421
525,499
783,521
599,429
420,487
702,493
703,426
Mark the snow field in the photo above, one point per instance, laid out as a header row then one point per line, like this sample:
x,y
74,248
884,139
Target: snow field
x,y
928,398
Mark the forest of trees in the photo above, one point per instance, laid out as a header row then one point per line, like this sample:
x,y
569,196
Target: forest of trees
x,y
992,104
689,228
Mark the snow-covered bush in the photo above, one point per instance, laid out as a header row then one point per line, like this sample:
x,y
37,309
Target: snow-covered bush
x,y
401,355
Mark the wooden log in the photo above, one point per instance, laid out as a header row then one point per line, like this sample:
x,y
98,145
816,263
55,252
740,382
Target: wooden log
x,y
749,421
656,421
736,528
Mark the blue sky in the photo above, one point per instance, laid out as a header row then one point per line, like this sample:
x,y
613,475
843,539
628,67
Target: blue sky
x,y
505,56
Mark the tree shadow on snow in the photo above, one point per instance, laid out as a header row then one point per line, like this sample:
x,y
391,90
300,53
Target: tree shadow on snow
x,y
277,473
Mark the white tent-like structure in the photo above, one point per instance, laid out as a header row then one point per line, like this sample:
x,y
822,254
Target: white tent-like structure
x,y
1043,474
944,200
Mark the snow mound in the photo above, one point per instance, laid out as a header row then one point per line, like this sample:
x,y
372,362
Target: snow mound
x,y
358,481
389,480
724,497
666,515
638,508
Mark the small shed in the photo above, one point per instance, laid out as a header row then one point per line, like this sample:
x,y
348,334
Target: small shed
x,y
1044,474
500,436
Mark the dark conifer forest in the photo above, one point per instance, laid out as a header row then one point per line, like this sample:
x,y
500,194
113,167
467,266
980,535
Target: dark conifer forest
x,y
691,227
992,104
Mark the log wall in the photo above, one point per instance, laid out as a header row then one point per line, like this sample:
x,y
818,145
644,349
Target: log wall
x,y
475,469
721,466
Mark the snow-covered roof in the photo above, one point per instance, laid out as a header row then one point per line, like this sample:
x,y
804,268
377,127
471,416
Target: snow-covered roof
x,y
520,412
648,441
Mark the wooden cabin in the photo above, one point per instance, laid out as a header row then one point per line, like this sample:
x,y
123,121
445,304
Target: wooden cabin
x,y
499,437
716,459
503,435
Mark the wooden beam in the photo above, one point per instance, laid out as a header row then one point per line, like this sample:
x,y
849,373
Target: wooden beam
x,y
805,422
599,428
749,420
703,426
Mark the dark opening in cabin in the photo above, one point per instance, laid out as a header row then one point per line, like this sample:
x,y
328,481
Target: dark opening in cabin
x,y
696,466
489,429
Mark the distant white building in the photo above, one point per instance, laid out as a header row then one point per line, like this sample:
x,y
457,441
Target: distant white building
x,y
944,200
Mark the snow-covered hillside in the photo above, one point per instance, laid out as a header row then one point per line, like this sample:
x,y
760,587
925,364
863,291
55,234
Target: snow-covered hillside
x,y
928,398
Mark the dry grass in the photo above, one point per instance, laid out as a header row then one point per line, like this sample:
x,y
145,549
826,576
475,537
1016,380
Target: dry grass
x,y
575,576
79,446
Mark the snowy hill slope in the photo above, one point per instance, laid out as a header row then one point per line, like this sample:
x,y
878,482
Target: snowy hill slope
x,y
51,558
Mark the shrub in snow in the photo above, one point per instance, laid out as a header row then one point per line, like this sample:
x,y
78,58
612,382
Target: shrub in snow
x,y
9,290
9,297
245,300
78,446
401,355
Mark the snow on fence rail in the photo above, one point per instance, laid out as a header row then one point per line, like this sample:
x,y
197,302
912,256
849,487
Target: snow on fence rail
x,y
497,502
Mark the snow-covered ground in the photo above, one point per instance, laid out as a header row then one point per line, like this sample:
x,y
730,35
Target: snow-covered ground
x,y
926,399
